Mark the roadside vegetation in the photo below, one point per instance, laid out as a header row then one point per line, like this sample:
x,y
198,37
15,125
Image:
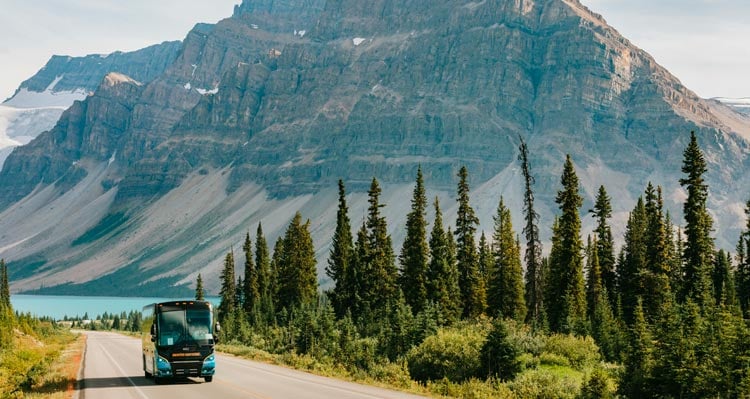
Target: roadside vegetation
x,y
38,359
665,316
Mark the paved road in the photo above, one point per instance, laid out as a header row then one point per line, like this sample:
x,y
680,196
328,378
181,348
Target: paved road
x,y
112,370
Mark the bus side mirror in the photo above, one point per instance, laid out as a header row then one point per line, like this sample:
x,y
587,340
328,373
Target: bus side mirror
x,y
153,332
217,330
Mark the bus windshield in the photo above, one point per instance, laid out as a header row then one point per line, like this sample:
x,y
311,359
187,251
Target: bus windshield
x,y
179,326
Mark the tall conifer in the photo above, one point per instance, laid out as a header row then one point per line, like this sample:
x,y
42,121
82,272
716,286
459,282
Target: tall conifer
x,y
298,282
632,268
533,255
250,292
742,276
415,250
566,267
199,295
4,286
605,243
228,291
442,275
340,258
699,246
473,291
262,262
506,290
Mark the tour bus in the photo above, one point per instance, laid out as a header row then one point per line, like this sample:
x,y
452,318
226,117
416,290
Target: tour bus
x,y
178,340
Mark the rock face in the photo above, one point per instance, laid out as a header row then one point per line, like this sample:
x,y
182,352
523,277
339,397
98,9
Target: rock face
x,y
259,116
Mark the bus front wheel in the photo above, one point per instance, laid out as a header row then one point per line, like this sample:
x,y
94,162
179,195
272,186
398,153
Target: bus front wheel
x,y
209,378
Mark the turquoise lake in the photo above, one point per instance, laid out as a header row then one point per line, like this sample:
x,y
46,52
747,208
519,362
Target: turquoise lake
x,y
58,307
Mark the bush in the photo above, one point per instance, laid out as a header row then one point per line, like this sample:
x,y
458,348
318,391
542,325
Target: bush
x,y
598,386
451,353
553,359
499,353
582,352
542,384
471,389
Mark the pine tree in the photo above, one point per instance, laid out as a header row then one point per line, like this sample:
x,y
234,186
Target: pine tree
x,y
605,243
298,282
723,280
278,252
199,296
533,254
228,291
358,278
442,274
742,276
250,292
486,262
415,251
594,286
381,269
566,267
658,260
262,263
639,359
473,291
506,290
699,247
633,266
340,258
4,287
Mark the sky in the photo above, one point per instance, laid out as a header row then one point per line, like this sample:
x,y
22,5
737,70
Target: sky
x,y
702,42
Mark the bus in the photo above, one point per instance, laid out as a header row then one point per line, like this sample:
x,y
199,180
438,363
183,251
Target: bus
x,y
178,340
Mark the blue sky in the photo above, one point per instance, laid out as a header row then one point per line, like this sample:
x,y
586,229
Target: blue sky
x,y
705,43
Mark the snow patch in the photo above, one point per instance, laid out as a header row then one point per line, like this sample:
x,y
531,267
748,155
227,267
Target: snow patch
x,y
206,91
187,86
254,26
46,99
358,40
194,68
300,33
54,83
112,158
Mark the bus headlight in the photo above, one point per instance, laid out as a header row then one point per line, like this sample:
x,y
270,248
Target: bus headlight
x,y
163,365
209,363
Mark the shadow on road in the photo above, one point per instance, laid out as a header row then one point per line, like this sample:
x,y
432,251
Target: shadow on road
x,y
140,381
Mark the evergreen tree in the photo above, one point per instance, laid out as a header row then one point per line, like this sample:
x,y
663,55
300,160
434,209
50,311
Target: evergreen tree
x,y
473,291
262,263
380,270
742,276
658,260
275,284
594,286
633,266
358,278
4,286
605,251
533,254
723,280
250,292
199,296
228,291
340,258
442,274
699,247
506,292
298,282
566,267
415,251
486,262
639,359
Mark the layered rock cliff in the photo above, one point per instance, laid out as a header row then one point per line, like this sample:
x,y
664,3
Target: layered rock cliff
x,y
259,116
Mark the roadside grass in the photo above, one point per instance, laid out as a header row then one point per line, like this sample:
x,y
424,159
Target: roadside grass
x,y
44,367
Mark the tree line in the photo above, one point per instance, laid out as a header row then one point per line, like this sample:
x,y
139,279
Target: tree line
x,y
669,307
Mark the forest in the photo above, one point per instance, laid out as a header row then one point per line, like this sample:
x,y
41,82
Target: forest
x,y
665,316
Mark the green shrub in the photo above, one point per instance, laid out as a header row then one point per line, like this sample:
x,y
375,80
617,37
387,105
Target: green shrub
x,y
598,386
542,384
580,351
471,389
451,353
553,359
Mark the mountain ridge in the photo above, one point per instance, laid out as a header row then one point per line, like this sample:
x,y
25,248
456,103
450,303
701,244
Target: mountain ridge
x,y
270,119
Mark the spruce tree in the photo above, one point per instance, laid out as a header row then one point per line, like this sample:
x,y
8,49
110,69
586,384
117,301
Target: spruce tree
x,y
632,268
533,254
473,291
639,359
358,278
4,286
723,280
340,258
250,292
228,291
699,246
262,263
658,260
566,267
506,290
278,252
199,296
442,275
486,262
742,276
415,250
594,287
381,266
298,282
605,243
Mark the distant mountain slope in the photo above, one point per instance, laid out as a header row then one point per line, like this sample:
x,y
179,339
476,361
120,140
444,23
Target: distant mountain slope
x,y
145,184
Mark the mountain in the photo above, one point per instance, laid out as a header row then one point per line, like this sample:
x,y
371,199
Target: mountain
x,y
145,184
40,101
741,105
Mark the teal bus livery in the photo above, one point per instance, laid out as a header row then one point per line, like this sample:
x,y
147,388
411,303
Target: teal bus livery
x,y
178,340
